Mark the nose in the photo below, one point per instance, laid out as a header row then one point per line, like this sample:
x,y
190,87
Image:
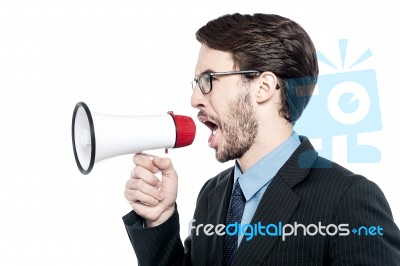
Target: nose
x,y
198,99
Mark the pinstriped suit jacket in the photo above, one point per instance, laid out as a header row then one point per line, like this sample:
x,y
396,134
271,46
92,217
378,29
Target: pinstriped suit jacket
x,y
307,189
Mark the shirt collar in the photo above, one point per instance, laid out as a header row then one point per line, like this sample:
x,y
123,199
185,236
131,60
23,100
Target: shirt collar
x,y
261,173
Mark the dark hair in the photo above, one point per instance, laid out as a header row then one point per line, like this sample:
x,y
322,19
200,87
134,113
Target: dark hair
x,y
267,42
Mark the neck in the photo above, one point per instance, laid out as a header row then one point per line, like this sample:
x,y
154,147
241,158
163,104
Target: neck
x,y
266,141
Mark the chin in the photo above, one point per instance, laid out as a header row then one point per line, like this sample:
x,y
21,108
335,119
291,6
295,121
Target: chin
x,y
221,158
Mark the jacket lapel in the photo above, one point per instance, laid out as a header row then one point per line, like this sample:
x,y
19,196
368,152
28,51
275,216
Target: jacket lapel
x,y
277,204
218,202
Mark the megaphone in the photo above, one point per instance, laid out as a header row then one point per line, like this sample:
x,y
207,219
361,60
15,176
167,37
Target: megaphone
x,y
96,136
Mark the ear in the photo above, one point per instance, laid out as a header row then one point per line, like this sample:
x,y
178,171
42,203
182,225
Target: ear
x,y
266,84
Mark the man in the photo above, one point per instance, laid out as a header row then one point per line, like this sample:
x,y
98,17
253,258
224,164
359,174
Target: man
x,y
254,76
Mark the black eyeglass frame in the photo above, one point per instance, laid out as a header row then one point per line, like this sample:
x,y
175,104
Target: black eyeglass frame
x,y
197,80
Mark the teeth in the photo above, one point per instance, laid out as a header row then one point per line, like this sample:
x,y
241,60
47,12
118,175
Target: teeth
x,y
214,132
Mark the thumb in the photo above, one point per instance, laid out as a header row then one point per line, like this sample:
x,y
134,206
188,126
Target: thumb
x,y
169,183
165,166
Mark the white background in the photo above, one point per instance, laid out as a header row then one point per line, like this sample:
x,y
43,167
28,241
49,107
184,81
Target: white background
x,y
138,57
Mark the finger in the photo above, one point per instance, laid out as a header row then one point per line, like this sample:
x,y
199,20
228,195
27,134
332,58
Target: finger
x,y
151,213
139,172
144,161
139,184
137,196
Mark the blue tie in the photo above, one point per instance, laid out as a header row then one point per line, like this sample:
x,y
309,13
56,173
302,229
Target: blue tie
x,y
235,213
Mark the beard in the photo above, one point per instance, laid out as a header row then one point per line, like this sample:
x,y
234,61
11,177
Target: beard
x,y
239,126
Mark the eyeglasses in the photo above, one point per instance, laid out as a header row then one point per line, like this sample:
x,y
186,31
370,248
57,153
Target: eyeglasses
x,y
204,80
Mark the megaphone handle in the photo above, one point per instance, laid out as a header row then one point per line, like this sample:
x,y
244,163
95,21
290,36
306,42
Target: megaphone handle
x,y
158,174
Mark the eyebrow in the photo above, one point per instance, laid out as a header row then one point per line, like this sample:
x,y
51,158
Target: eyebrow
x,y
208,70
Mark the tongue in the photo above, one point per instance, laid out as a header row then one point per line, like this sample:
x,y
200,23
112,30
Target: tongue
x,y
211,138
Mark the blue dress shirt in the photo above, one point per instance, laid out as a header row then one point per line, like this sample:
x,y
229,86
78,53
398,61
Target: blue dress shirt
x,y
256,179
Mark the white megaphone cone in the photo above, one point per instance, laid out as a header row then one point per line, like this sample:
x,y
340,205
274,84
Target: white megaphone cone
x,y
96,137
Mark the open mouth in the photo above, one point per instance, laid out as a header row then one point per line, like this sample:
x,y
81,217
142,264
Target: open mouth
x,y
212,125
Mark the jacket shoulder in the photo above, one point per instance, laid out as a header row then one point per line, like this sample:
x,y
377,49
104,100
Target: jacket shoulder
x,y
327,169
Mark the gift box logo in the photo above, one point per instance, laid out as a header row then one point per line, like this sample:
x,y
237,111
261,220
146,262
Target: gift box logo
x,y
347,104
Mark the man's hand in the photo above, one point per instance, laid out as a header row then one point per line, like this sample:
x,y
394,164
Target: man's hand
x,y
152,199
